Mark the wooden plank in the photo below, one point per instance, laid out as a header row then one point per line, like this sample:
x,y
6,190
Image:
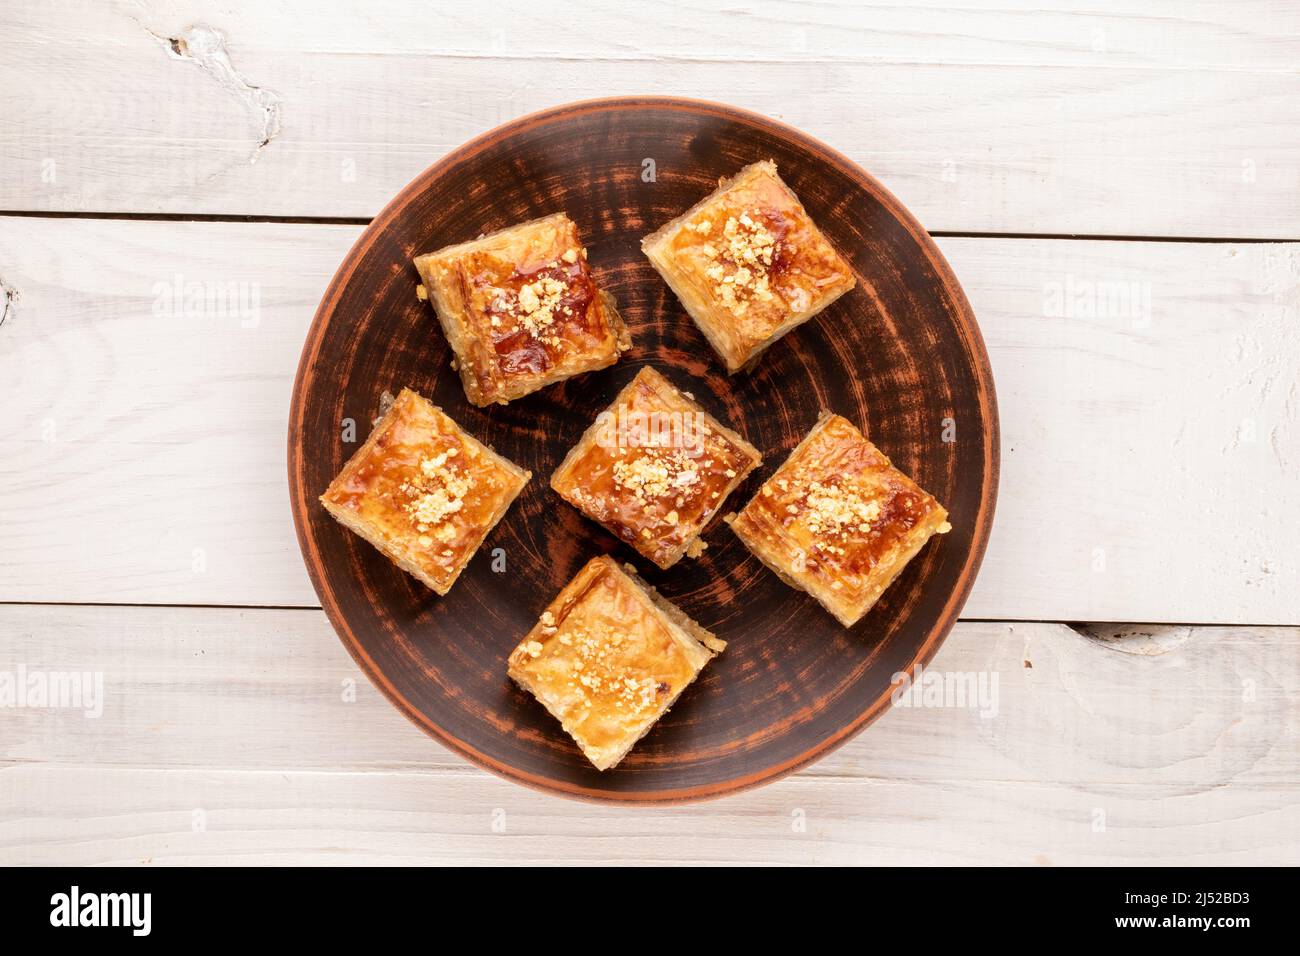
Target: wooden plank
x,y
1179,121
142,450
265,689
224,738
86,816
1150,405
1256,35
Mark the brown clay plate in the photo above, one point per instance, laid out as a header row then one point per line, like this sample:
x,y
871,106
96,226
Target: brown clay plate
x,y
901,356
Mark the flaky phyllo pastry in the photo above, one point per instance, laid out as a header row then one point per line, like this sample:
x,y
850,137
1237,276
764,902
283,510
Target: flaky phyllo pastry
x,y
608,657
838,520
655,468
423,491
748,264
521,309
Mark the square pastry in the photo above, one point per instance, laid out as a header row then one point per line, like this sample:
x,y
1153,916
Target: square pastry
x,y
654,469
838,520
608,657
423,491
521,309
748,264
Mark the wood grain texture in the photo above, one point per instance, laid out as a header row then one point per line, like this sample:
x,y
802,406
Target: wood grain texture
x,y
1116,428
1175,120
137,439
898,355
1153,745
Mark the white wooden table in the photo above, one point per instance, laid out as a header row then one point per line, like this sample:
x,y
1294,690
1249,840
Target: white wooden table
x,y
1118,189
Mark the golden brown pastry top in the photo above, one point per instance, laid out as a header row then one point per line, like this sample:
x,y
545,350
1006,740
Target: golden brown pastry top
x,y
423,482
527,301
753,251
655,469
838,506
605,660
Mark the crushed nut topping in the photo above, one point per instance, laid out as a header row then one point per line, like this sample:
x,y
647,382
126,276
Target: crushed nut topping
x,y
436,493
539,304
836,512
596,668
657,474
741,260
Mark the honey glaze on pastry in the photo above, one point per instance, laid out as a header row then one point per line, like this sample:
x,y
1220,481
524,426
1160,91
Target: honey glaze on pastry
x,y
748,264
521,309
838,520
608,657
423,491
655,469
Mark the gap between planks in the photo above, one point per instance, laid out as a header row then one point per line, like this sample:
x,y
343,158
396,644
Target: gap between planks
x,y
1073,625
366,221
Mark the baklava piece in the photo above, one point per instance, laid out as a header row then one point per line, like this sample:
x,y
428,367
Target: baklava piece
x,y
521,309
748,264
608,657
423,491
654,469
838,520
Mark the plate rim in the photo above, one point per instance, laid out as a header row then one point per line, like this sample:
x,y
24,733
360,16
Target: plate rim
x,y
300,497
